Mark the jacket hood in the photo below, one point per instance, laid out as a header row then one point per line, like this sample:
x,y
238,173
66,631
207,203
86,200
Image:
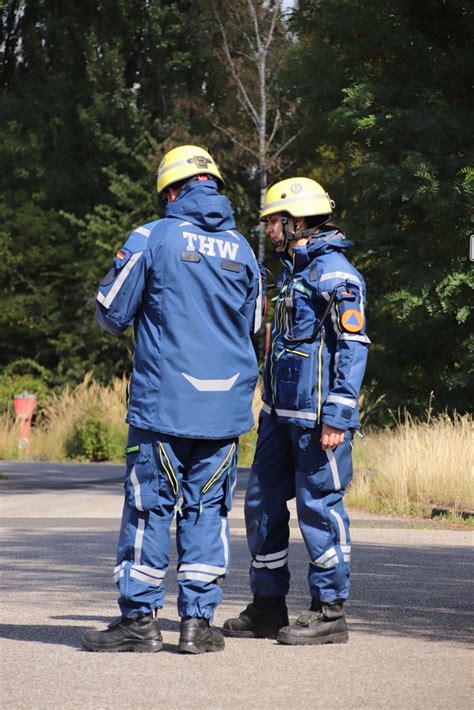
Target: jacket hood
x,y
332,239
199,202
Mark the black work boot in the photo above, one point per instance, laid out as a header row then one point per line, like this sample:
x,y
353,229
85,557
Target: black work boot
x,y
196,636
123,634
261,619
323,623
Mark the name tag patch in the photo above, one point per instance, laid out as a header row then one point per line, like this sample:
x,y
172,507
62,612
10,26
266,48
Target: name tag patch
x,y
192,256
231,266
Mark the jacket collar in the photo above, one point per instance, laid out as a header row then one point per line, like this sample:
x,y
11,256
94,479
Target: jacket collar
x,y
321,243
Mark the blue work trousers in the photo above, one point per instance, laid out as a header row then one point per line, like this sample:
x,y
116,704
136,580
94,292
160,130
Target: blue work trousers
x,y
196,478
289,462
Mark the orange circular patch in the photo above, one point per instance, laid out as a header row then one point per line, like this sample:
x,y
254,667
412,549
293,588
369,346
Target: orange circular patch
x,y
352,321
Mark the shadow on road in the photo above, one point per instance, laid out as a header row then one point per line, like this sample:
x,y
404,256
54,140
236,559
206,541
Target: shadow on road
x,y
64,635
43,633
397,591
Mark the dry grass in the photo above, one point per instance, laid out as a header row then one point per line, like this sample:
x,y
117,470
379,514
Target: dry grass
x,y
57,421
247,441
405,470
416,466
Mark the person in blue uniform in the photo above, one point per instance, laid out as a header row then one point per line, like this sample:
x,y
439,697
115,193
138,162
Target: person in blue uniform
x,y
312,378
190,286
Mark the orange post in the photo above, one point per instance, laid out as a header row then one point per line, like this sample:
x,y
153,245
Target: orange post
x,y
24,405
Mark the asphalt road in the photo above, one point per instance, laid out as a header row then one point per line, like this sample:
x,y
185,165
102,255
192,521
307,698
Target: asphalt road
x,y
410,613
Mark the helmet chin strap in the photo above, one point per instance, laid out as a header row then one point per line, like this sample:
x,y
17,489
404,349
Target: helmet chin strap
x,y
302,233
294,236
289,236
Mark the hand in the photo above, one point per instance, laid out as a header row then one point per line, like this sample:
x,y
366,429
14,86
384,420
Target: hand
x,y
331,437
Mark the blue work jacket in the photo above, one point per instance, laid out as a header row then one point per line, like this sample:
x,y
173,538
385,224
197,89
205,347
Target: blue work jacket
x,y
191,286
314,372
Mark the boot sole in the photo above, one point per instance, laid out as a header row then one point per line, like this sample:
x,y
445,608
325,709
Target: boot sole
x,y
130,647
250,634
192,647
342,637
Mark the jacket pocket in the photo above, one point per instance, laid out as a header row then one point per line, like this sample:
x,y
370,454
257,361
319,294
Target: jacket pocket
x,y
296,379
142,490
300,316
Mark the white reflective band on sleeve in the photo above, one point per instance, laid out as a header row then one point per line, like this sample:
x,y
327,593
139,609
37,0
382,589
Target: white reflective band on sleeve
x,y
340,275
107,300
143,230
212,385
225,542
346,549
139,541
258,307
296,415
357,338
272,556
341,400
266,408
334,469
342,529
200,576
347,558
136,489
210,569
270,565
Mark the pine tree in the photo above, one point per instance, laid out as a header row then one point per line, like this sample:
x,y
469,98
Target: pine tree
x,y
385,88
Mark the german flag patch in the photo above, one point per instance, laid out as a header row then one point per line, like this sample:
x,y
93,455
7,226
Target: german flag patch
x,y
352,320
121,254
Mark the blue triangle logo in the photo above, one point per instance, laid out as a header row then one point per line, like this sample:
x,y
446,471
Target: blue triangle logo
x,y
353,320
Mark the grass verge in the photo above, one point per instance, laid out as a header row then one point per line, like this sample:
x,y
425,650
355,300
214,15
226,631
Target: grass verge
x,y
407,470
416,466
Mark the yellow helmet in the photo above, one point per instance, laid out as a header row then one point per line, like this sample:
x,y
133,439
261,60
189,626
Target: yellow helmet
x,y
299,196
184,162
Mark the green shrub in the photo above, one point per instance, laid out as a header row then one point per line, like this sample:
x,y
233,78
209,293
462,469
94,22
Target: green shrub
x,y
23,375
91,441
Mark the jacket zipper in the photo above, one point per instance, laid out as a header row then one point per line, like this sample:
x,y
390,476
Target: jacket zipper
x,y
279,328
320,376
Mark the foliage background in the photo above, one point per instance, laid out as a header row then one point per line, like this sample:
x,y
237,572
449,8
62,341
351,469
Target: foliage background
x,y
375,100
